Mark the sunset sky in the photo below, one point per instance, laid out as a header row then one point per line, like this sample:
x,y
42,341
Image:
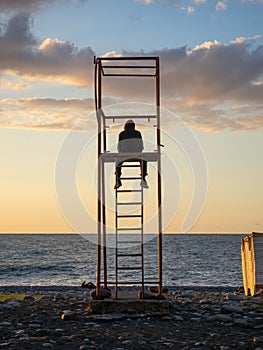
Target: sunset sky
x,y
211,56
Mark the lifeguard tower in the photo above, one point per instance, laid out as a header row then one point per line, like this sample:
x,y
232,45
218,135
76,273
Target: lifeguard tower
x,y
129,224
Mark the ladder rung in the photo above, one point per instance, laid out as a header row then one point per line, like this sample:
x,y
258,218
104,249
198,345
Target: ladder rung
x,y
129,203
129,268
129,242
131,255
126,283
128,228
129,190
129,216
131,178
131,282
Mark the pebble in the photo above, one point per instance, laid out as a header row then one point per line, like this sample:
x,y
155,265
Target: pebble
x,y
59,330
222,313
232,309
24,336
35,325
29,298
59,296
233,297
166,318
86,340
195,319
258,339
223,318
10,305
241,322
47,345
205,301
68,315
215,335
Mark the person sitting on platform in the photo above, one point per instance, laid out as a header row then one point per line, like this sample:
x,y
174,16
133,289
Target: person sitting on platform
x,y
130,140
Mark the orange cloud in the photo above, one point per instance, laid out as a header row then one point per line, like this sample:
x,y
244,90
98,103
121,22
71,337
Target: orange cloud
x,y
48,113
14,85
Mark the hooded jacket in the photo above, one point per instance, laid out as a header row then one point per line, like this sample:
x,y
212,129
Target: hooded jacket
x,y
130,140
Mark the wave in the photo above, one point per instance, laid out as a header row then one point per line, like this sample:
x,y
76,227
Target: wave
x,y
70,259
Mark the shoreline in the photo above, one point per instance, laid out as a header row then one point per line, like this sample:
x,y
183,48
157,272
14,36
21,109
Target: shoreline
x,y
49,289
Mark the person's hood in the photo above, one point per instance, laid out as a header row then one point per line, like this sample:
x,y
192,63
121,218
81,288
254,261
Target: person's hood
x,y
129,125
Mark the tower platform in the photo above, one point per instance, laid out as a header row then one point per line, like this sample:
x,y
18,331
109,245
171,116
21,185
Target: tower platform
x,y
129,307
122,157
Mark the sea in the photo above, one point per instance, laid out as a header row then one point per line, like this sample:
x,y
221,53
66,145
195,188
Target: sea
x,y
70,259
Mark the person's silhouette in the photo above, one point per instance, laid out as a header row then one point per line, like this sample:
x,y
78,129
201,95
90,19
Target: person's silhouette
x,y
130,140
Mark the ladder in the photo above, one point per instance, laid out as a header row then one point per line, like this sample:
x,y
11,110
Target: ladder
x,y
130,222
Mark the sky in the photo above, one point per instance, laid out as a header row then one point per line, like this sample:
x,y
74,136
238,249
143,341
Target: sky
x,y
211,66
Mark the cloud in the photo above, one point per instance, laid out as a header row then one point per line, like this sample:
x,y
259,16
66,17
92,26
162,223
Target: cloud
x,y
17,35
255,1
49,113
45,113
215,118
207,85
111,54
221,5
190,9
52,59
195,82
36,5
25,5
29,5
211,71
242,39
206,45
147,2
14,85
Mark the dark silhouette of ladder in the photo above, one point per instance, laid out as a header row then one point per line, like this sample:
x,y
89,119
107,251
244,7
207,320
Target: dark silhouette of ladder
x,y
135,228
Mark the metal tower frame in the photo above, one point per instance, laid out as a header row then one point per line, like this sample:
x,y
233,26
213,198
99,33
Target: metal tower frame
x,y
111,68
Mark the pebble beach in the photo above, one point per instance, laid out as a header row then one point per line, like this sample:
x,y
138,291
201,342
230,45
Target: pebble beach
x,y
198,318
